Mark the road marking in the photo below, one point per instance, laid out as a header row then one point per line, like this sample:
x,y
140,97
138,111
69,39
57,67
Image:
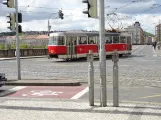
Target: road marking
x,y
134,102
112,65
139,102
17,88
78,95
42,93
147,60
152,96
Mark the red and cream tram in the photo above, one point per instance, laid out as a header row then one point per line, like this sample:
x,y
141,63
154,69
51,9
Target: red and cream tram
x,y
71,45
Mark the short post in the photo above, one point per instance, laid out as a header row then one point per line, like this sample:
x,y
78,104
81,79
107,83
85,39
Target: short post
x,y
115,59
90,77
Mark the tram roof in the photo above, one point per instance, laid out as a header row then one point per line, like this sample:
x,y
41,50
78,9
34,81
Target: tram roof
x,y
82,34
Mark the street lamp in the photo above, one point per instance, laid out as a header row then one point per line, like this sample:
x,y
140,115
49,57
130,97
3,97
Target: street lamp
x,y
49,26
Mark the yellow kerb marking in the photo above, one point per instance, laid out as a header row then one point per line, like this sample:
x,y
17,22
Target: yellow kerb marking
x,y
152,96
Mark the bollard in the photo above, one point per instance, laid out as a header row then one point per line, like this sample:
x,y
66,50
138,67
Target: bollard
x,y
91,78
115,59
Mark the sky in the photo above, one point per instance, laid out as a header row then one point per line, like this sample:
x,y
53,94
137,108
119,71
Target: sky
x,y
36,14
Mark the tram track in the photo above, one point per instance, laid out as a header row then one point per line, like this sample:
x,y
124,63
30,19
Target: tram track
x,y
139,50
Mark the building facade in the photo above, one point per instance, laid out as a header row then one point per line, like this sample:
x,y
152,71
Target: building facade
x,y
158,32
138,36
149,40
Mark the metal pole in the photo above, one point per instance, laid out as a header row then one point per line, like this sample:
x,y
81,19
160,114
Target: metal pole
x,y
102,54
48,27
159,30
115,59
91,78
17,43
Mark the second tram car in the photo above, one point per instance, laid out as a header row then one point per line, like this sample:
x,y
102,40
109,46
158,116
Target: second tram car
x,y
71,45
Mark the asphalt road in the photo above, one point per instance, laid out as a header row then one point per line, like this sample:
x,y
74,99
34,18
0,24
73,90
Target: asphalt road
x,y
145,95
129,94
142,68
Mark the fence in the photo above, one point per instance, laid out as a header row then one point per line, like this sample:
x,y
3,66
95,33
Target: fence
x,y
23,52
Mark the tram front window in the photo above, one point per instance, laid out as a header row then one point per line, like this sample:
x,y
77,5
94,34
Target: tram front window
x,y
56,40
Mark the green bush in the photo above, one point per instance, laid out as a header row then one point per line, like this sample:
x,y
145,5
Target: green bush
x,y
2,46
24,46
40,46
13,46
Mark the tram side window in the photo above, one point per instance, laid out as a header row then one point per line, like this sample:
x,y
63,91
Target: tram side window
x,y
115,39
82,40
108,40
92,40
122,39
60,41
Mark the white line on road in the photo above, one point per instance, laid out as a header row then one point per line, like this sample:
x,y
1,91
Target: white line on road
x,y
112,65
147,60
18,88
78,95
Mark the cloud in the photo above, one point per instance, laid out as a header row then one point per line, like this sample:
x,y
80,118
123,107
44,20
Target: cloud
x,y
36,14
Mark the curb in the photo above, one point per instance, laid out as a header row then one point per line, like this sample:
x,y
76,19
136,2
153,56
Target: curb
x,y
14,58
42,84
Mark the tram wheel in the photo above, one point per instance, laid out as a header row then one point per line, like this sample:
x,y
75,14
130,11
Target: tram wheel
x,y
67,59
120,55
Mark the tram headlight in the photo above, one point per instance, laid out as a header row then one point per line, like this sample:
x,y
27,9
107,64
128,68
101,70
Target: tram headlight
x,y
52,51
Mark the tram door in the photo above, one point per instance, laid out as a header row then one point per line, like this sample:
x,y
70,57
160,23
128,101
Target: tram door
x,y
71,46
128,43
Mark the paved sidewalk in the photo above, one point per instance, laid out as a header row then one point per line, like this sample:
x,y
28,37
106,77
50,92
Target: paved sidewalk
x,y
74,110
28,57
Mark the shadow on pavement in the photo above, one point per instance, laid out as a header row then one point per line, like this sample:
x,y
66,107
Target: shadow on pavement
x,y
88,110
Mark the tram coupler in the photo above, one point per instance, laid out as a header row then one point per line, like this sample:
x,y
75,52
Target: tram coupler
x,y
115,59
